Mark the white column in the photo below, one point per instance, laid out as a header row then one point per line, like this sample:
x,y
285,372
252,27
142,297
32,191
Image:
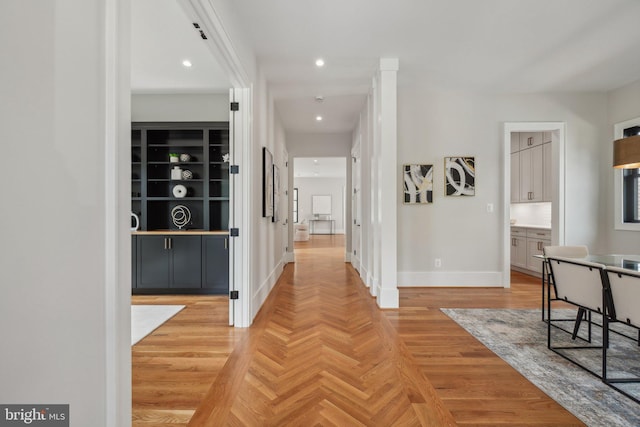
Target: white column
x,y
387,294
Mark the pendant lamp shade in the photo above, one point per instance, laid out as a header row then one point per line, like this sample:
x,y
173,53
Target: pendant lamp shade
x,y
626,153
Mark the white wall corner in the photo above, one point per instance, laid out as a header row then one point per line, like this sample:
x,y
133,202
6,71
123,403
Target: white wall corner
x,y
389,64
347,256
419,279
261,294
289,257
388,297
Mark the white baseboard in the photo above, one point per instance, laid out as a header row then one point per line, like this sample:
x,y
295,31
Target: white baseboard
x,y
260,296
347,256
388,297
417,279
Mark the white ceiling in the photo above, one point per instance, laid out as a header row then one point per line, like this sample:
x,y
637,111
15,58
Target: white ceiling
x,y
161,38
320,167
489,46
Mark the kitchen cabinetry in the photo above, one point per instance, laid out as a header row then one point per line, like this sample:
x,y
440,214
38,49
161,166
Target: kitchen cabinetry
x,y
525,244
531,178
518,248
215,250
174,263
169,262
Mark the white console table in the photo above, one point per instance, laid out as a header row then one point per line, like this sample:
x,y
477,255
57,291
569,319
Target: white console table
x,y
332,225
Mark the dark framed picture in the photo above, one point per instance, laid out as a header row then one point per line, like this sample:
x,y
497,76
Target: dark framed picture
x,y
267,183
276,194
459,176
418,184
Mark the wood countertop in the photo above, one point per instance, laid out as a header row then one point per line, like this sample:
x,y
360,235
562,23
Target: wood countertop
x,y
181,232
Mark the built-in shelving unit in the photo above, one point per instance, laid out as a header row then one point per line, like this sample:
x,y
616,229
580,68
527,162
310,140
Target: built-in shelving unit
x,y
192,258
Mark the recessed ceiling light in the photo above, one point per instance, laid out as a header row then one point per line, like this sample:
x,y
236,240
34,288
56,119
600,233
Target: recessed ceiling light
x,y
315,174
187,63
319,62
318,118
315,160
319,98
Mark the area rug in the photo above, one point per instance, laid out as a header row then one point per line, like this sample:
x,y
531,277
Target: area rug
x,y
519,337
146,318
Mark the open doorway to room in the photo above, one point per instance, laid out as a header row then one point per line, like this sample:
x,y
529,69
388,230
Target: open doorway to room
x,y
319,201
184,139
534,194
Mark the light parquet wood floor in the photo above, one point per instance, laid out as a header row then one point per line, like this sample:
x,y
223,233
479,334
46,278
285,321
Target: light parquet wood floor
x,y
321,353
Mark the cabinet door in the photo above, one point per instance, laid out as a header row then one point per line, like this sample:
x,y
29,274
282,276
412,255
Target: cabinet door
x,y
534,247
515,142
519,251
186,261
525,175
515,177
537,173
216,264
153,262
530,139
547,179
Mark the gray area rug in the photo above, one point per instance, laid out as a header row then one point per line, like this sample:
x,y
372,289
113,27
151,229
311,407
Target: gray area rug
x,y
519,337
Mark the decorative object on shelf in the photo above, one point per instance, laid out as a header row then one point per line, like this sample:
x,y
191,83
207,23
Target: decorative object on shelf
x,y
179,191
418,184
276,194
176,173
187,174
135,222
460,176
226,158
181,216
174,157
267,183
184,157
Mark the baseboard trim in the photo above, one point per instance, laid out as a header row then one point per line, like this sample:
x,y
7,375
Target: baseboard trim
x,y
260,295
421,279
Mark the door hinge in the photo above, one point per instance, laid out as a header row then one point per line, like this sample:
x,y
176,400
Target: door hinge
x,y
354,251
234,232
234,169
234,295
235,106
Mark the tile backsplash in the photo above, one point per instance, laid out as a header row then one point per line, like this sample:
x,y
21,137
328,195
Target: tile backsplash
x,y
531,214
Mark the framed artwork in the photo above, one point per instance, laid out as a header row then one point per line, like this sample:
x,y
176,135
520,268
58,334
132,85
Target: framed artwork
x,y
267,183
418,184
276,194
459,176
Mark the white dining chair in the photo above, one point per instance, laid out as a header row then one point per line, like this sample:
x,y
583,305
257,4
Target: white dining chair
x,y
623,306
576,251
581,284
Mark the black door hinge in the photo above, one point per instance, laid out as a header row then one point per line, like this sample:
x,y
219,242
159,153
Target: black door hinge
x,y
234,169
235,106
234,232
234,295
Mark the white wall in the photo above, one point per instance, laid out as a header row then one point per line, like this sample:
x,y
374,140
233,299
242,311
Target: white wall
x,y
334,187
458,230
61,295
268,259
208,107
624,104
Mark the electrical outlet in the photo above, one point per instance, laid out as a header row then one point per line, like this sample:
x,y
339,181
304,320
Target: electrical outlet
x,y
438,263
490,207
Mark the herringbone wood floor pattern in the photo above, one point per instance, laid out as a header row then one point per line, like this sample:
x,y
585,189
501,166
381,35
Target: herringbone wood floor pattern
x,y
321,353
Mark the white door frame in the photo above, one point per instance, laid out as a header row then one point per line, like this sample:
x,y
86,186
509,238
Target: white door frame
x,y
240,140
558,130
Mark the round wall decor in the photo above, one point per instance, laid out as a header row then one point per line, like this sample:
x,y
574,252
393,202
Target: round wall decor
x,y
179,191
180,215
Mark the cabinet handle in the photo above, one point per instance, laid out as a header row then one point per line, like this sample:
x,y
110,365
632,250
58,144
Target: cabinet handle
x,y
169,239
530,140
165,244
225,243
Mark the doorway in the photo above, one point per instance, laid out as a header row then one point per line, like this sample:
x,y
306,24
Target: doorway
x,y
532,208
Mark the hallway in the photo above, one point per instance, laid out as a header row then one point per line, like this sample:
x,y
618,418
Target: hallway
x,y
321,353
